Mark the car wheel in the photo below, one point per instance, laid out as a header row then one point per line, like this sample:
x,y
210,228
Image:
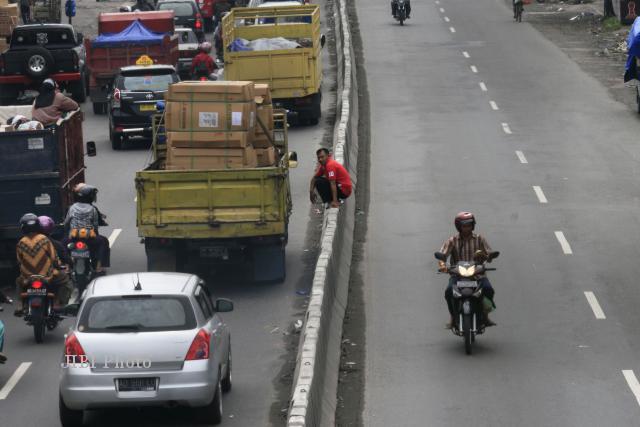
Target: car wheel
x,y
78,91
212,413
69,417
116,140
226,381
39,62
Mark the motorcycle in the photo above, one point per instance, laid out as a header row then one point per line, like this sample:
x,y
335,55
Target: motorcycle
x,y
211,77
83,270
469,305
401,12
39,302
3,300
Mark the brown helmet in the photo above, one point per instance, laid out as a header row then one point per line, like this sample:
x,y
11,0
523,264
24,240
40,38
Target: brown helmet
x,y
464,218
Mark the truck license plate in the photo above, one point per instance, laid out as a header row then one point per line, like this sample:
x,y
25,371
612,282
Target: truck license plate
x,y
214,252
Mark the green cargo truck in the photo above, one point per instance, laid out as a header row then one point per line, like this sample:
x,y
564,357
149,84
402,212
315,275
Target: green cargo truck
x,y
191,219
293,74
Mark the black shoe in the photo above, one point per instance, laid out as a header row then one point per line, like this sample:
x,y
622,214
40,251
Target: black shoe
x,y
3,358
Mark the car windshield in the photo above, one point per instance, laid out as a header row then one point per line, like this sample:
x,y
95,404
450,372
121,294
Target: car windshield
x,y
180,9
150,82
43,38
138,314
187,37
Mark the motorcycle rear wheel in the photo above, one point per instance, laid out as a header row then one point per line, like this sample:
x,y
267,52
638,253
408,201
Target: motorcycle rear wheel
x,y
39,325
466,332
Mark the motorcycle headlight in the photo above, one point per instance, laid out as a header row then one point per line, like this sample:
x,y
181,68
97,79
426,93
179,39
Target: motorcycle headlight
x,y
467,271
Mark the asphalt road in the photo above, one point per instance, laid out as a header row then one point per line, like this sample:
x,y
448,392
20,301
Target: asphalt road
x,y
263,313
470,111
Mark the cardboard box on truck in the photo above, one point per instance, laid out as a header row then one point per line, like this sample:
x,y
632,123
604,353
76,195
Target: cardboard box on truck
x,y
219,91
265,115
266,156
263,94
208,139
210,116
211,158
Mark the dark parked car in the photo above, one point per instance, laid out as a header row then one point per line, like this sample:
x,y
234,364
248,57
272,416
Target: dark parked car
x,y
136,91
188,43
187,15
39,51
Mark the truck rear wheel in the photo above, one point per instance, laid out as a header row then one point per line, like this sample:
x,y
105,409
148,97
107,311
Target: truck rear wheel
x,y
99,108
269,263
78,90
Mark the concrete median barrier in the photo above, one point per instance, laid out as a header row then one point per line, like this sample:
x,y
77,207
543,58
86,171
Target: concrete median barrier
x,y
313,401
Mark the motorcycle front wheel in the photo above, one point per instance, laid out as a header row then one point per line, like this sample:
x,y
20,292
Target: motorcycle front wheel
x,y
466,331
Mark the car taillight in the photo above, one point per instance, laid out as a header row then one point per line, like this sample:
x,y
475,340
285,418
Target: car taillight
x,y
81,245
199,349
116,98
37,284
73,351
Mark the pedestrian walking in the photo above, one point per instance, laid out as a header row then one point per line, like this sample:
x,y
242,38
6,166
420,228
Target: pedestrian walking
x,y
25,10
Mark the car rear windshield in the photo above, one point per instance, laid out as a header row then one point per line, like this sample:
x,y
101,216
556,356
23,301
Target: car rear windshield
x,y
180,9
137,314
187,37
43,38
151,82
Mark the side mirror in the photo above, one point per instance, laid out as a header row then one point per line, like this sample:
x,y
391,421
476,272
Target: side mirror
x,y
292,158
494,255
71,310
80,38
125,8
223,305
323,40
440,256
91,149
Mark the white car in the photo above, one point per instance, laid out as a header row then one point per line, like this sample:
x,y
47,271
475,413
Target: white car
x,y
146,339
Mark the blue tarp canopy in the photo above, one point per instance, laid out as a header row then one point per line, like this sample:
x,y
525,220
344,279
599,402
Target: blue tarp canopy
x,y
134,34
633,44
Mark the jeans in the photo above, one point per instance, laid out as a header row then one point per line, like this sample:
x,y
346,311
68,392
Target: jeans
x,y
323,187
485,285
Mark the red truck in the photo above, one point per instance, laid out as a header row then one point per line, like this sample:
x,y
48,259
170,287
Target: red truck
x,y
123,39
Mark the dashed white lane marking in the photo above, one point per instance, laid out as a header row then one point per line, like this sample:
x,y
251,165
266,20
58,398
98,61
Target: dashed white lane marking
x,y
521,157
483,86
473,68
114,235
22,369
447,20
453,30
494,106
633,383
441,10
566,247
506,128
595,305
541,197
465,54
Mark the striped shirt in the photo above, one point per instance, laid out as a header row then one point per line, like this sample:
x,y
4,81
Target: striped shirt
x,y
460,249
37,256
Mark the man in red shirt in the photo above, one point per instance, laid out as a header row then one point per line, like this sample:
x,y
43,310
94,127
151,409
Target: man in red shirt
x,y
331,180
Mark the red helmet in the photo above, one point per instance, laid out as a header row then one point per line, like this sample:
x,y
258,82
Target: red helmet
x,y
464,218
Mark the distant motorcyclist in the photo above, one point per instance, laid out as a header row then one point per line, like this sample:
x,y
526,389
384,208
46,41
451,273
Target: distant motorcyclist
x,y
462,247
144,6
394,7
203,64
515,5
83,215
37,256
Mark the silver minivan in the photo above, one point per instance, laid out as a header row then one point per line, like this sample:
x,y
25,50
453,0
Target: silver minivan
x,y
146,339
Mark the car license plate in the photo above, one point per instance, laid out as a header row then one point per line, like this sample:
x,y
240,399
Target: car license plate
x,y
137,384
467,284
80,254
34,291
214,252
147,107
